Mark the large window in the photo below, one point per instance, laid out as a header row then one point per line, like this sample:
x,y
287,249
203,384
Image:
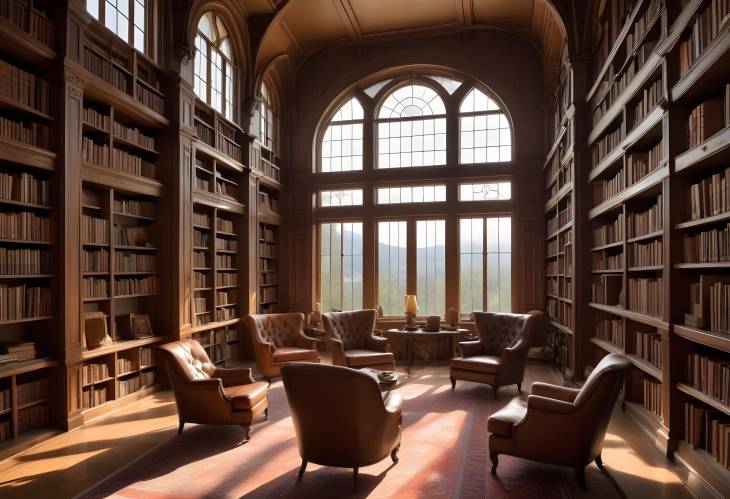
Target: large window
x,y
266,115
485,135
341,266
485,253
214,80
125,18
431,267
412,128
343,140
392,267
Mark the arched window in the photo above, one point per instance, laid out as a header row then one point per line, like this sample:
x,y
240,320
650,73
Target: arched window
x,y
267,117
213,67
411,128
484,131
125,18
342,140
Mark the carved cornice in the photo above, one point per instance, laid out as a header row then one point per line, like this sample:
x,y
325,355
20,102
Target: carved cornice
x,y
75,79
185,54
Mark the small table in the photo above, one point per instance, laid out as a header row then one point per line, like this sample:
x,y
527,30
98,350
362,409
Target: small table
x,y
387,387
411,337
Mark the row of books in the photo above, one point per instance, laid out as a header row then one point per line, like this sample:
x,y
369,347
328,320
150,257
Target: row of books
x,y
146,356
224,261
6,431
105,70
269,235
607,289
202,184
124,365
641,164
648,346
134,207
710,375
653,396
201,304
606,188
134,262
24,188
136,286
19,352
616,86
24,261
94,287
224,225
200,259
226,244
710,196
32,391
710,245
719,309
707,119
646,295
554,267
116,159
24,302
94,230
93,396
267,250
129,235
5,400
267,295
95,260
267,278
269,202
610,232
200,239
705,28
150,99
554,223
226,297
553,248
96,118
226,313
24,88
561,312
91,373
25,226
267,265
201,219
135,383
611,330
200,279
29,19
133,135
649,221
33,417
605,145
90,199
25,132
226,189
646,254
604,261
641,24
708,429
226,279
612,23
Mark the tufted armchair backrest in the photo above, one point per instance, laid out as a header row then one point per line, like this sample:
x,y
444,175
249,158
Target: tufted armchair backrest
x,y
187,361
279,330
499,331
354,329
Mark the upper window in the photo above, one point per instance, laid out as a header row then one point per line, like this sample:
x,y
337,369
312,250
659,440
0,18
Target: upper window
x,y
213,67
342,141
266,115
126,18
411,128
484,131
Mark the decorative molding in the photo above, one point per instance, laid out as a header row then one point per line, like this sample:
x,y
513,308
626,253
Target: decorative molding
x,y
185,54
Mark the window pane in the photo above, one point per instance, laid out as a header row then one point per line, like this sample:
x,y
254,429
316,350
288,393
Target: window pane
x,y
350,197
92,7
200,68
412,143
412,101
341,266
216,84
342,148
392,267
431,267
471,259
485,137
229,92
139,21
349,111
493,191
412,194
499,264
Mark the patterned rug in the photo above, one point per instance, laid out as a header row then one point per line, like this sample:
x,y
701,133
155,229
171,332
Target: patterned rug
x,y
443,454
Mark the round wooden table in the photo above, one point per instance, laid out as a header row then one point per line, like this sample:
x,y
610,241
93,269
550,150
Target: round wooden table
x,y
410,338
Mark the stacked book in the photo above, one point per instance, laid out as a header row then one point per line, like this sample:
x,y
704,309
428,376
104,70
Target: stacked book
x,y
710,375
708,429
91,373
710,196
649,347
18,352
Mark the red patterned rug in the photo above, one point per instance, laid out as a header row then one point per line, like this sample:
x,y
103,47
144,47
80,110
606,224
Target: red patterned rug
x,y
443,454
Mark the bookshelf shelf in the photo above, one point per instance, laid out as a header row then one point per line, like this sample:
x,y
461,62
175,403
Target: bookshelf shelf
x,y
37,157
647,367
714,150
707,265
607,346
706,72
645,186
119,346
711,401
26,319
27,366
722,217
713,339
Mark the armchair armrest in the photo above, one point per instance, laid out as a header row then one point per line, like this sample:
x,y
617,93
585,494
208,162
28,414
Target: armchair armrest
x,y
544,404
202,396
393,403
470,348
554,392
378,343
234,376
304,341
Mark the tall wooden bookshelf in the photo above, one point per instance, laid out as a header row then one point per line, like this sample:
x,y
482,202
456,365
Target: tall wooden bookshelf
x,y
219,248
29,169
559,175
659,106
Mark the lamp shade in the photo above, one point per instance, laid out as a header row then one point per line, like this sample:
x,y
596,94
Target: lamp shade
x,y
411,304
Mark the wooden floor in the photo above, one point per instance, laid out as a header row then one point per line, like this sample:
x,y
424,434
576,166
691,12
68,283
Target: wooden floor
x,y
72,462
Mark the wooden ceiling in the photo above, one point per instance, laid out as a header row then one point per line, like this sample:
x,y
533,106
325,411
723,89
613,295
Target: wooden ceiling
x,y
302,27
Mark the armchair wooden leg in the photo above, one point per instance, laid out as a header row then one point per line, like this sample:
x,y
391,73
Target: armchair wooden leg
x,y
268,380
580,476
394,454
495,389
300,473
599,461
266,413
247,429
180,428
355,472
494,457
453,384
519,387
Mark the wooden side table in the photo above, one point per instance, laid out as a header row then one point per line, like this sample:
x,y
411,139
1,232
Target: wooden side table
x,y
410,338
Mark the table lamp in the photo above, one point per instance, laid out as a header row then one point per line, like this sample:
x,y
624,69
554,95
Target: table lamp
x,y
411,307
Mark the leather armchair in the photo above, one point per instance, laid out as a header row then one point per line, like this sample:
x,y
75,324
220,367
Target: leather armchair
x,y
340,417
280,338
207,394
498,357
558,425
353,340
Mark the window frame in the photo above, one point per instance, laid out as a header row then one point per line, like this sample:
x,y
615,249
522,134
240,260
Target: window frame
x,y
102,5
318,249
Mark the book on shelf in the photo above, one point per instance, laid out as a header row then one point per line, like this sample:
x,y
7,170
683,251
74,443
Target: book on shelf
x,y
709,374
94,372
21,351
649,221
646,295
200,239
641,164
609,232
201,219
5,400
708,429
653,395
105,69
30,418
93,396
224,261
648,346
606,188
30,18
129,235
224,225
115,159
127,286
125,261
24,188
94,230
94,287
611,330
708,23
25,132
24,261
134,207
24,88
607,289
150,99
24,302
709,245
96,118
32,391
605,145
705,120
226,244
25,226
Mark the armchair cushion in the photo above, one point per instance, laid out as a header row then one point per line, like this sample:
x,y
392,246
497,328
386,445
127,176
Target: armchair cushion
x,y
362,358
480,363
244,397
503,421
499,331
291,354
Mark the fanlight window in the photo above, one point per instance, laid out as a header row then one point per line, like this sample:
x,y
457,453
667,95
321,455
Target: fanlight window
x,y
412,128
484,131
213,66
342,141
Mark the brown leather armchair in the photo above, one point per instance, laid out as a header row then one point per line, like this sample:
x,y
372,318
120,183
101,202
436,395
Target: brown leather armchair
x,y
340,417
280,338
498,357
207,394
558,425
353,340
